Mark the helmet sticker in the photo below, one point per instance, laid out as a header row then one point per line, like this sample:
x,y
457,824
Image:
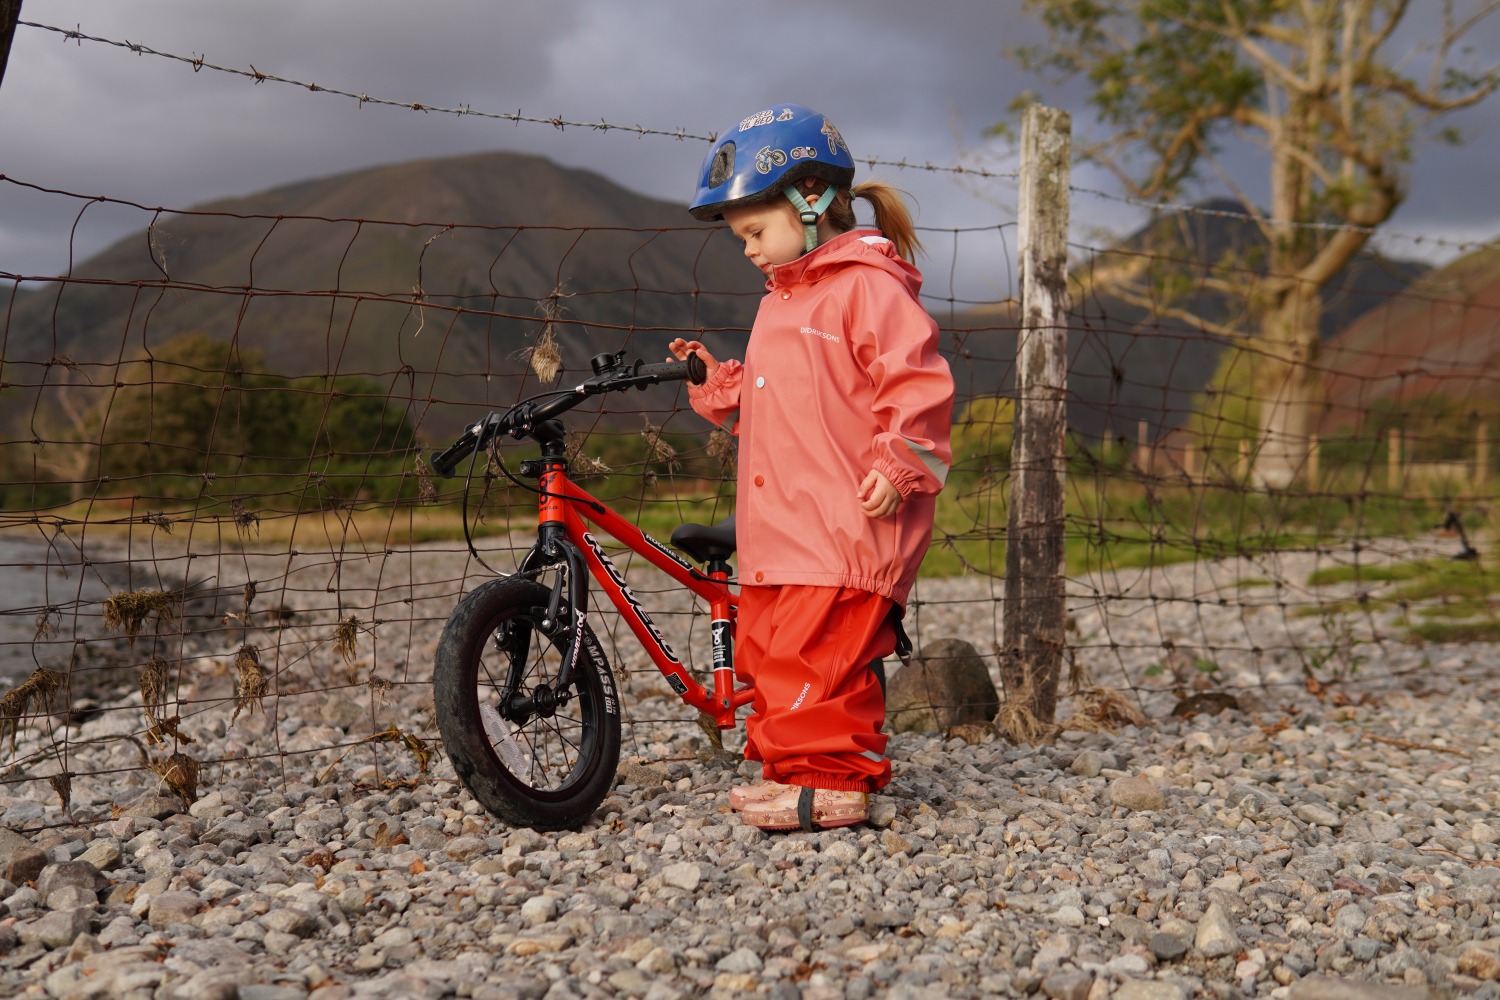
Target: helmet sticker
x,y
835,141
760,118
768,158
766,118
804,153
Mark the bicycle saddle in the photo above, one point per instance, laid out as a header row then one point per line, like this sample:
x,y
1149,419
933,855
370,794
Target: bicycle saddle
x,y
706,542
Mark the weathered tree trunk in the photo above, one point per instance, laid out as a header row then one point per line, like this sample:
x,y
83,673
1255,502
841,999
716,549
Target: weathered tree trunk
x,y
1289,386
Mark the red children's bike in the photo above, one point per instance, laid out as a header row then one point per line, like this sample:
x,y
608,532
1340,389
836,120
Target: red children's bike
x,y
525,698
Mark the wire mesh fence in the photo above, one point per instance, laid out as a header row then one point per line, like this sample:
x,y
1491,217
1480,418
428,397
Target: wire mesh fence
x,y
216,511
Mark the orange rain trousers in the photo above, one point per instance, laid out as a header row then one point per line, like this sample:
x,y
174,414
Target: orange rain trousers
x,y
818,707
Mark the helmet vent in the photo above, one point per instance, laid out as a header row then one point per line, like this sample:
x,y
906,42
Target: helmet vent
x,y
723,166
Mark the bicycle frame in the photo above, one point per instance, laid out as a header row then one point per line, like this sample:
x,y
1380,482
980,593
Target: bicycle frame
x,y
565,509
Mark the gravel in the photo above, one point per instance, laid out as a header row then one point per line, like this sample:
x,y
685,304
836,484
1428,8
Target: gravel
x,y
1301,846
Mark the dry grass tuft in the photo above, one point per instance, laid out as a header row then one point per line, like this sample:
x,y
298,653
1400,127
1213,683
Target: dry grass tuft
x,y
427,490
721,448
346,639
154,689
34,694
127,612
180,772
48,621
415,745
244,517
251,685
62,784
1101,710
1019,723
544,355
657,448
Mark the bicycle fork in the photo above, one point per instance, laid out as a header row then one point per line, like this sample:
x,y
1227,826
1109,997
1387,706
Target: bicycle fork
x,y
561,622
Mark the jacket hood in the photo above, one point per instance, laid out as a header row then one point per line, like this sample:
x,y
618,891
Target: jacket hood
x,y
856,248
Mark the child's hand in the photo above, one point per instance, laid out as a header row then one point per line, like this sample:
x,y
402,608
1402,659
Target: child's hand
x,y
682,348
877,497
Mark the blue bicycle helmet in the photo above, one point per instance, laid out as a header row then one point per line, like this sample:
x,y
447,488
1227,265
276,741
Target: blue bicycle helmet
x,y
765,155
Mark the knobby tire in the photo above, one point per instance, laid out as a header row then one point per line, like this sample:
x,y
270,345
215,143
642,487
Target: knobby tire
x,y
556,768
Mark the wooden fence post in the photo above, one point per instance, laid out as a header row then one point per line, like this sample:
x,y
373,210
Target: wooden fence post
x,y
1481,457
10,13
1035,594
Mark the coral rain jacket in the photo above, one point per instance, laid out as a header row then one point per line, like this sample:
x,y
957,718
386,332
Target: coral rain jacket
x,y
842,375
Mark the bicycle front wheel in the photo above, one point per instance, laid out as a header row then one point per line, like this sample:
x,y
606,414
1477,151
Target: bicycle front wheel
x,y
531,753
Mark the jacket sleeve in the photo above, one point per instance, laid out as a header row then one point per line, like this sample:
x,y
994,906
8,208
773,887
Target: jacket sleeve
x,y
913,406
718,399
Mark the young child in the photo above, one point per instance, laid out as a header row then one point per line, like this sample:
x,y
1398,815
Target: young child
x,y
842,407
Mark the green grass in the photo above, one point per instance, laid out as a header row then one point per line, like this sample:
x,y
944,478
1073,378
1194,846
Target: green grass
x,y
1456,632
1114,520
1463,589
1365,573
1462,585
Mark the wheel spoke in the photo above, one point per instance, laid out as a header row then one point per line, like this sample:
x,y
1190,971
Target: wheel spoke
x,y
543,758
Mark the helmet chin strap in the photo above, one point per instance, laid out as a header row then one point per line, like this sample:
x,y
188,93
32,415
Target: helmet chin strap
x,y
809,214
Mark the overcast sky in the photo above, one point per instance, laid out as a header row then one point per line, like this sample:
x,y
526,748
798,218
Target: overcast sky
x,y
902,81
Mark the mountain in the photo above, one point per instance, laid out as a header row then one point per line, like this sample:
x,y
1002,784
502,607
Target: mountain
x,y
431,277
434,277
1130,363
1441,338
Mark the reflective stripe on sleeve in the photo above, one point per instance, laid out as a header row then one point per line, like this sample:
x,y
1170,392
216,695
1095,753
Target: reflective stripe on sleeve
x,y
935,465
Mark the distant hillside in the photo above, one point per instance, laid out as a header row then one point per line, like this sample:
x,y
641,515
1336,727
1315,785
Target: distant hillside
x,y
1129,363
432,276
1441,338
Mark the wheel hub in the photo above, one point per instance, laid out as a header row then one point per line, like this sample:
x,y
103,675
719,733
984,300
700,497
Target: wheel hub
x,y
544,701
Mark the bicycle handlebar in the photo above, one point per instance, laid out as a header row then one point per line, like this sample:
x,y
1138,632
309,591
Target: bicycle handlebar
x,y
611,374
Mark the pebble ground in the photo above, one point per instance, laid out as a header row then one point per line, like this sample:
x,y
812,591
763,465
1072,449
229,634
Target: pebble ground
x,y
1313,847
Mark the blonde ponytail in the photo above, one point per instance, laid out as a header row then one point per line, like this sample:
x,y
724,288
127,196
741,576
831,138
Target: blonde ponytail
x,y
891,216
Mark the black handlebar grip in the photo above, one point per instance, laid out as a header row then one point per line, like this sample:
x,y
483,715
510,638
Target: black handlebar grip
x,y
697,370
445,461
692,369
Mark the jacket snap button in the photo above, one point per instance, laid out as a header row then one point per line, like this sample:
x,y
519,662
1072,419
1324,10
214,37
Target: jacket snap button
x,y
759,577
760,480
786,295
760,382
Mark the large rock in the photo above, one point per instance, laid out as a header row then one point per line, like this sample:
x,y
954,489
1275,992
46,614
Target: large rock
x,y
20,859
947,686
70,884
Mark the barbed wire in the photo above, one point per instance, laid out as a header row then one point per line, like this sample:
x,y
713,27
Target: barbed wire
x,y
1377,231
517,117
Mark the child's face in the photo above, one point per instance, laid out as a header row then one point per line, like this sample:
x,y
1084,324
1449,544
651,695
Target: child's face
x,y
772,233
